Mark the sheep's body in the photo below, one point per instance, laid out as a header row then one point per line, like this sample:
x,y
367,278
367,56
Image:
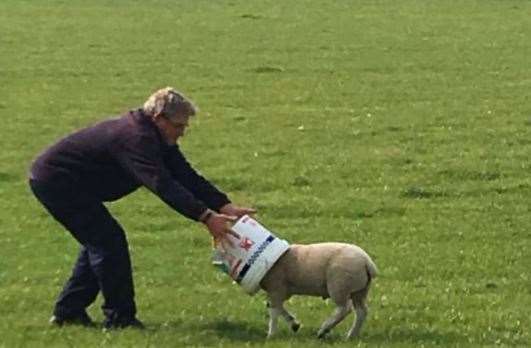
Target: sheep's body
x,y
340,271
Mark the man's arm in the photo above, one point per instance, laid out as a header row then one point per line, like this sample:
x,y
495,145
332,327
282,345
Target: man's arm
x,y
203,189
141,157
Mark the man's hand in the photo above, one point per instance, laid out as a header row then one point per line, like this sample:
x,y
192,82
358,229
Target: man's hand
x,y
233,210
219,226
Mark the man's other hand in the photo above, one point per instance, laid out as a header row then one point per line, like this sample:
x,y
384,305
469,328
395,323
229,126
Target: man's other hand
x,y
234,210
219,226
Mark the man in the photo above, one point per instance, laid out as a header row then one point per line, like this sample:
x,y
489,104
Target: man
x,y
103,163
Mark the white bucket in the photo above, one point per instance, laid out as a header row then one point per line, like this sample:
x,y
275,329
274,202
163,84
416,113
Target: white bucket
x,y
252,255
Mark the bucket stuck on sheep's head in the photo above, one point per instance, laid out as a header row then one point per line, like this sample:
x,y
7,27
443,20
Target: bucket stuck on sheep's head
x,y
251,256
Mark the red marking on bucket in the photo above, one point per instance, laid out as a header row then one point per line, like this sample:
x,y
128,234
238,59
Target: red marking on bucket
x,y
246,244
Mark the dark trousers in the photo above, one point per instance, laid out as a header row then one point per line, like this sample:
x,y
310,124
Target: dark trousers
x,y
103,262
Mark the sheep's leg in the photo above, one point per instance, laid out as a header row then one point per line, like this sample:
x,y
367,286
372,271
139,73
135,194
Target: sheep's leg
x,y
291,320
273,321
360,306
361,314
287,316
340,313
276,308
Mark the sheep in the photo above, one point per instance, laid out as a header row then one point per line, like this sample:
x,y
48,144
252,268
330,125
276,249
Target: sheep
x,y
339,271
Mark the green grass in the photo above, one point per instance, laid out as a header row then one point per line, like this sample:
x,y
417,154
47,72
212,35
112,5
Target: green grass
x,y
402,126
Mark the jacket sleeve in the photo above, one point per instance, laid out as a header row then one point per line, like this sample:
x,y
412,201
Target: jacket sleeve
x,y
183,172
141,157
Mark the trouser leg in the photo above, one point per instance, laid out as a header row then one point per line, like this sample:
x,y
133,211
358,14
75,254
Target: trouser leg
x,y
105,253
80,290
111,263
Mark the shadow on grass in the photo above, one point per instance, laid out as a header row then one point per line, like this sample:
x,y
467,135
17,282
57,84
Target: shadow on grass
x,y
243,332
240,331
231,330
235,330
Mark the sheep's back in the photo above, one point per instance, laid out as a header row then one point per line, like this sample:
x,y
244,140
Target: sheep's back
x,y
306,269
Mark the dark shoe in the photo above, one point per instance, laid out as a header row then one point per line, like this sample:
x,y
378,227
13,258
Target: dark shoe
x,y
82,319
122,323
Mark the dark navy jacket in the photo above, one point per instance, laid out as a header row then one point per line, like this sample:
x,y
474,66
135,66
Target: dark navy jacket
x,y
113,158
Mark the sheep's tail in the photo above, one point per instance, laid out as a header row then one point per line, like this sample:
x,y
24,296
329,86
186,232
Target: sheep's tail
x,y
359,297
372,270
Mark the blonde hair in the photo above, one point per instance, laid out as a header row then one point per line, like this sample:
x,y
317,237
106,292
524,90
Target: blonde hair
x,y
169,103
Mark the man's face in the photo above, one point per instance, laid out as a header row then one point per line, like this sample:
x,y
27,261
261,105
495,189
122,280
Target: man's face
x,y
178,125
173,127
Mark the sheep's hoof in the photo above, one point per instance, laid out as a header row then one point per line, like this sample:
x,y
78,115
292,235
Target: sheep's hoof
x,y
295,327
322,334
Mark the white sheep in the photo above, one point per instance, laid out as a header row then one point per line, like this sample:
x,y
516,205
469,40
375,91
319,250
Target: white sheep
x,y
339,271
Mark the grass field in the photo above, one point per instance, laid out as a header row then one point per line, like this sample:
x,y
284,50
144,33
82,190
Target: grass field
x,y
401,126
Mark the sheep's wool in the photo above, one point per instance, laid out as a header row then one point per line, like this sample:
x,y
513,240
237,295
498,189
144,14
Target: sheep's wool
x,y
253,254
